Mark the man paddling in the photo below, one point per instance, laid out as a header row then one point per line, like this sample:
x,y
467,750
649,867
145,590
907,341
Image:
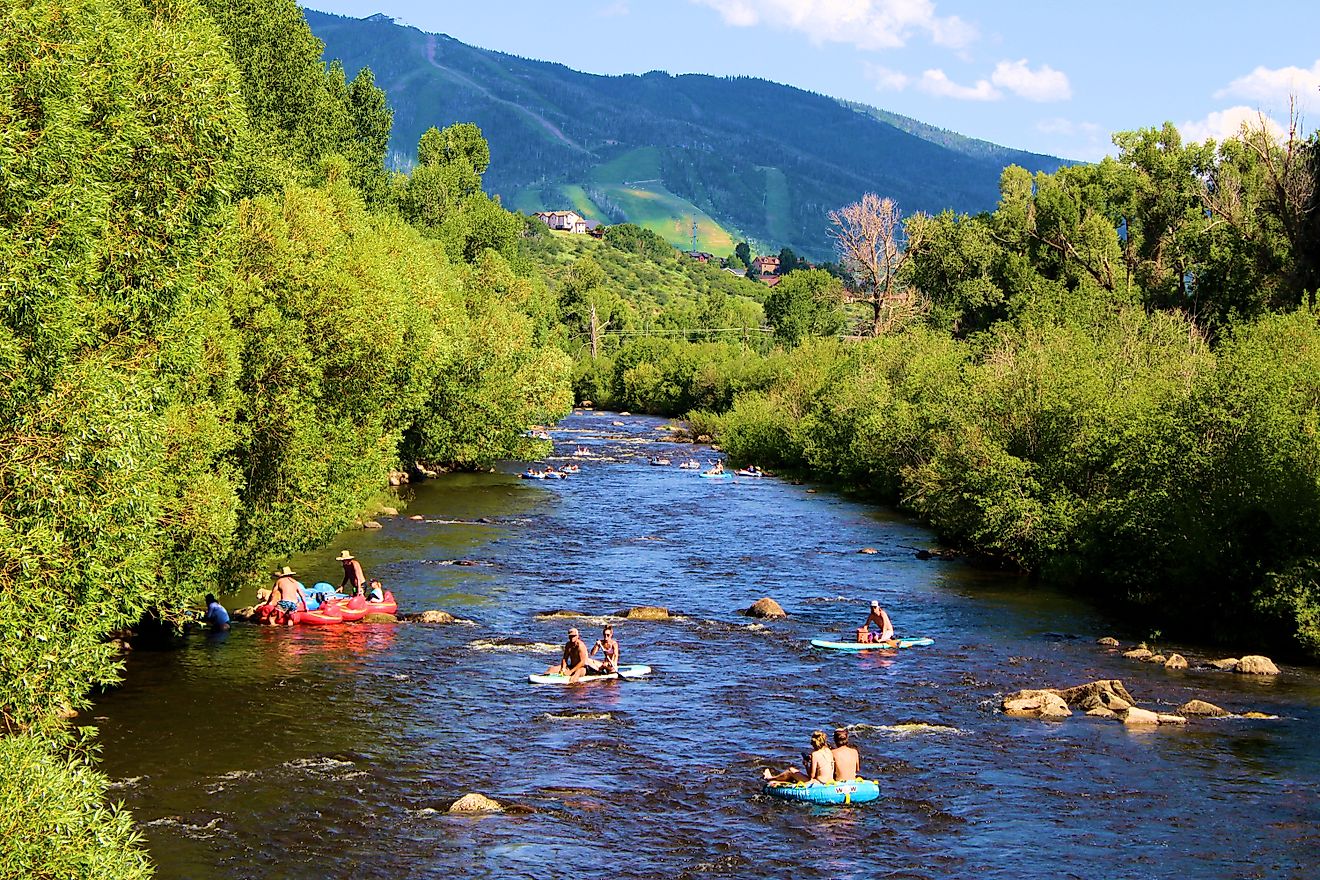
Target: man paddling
x,y
576,661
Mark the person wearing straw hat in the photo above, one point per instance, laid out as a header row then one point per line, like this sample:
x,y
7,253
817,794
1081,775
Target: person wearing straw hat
x,y
287,594
355,581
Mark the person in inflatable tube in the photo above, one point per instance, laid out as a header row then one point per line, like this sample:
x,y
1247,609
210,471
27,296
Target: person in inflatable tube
x,y
819,764
847,762
880,619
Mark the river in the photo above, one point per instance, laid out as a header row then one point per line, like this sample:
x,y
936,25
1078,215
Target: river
x,y
310,753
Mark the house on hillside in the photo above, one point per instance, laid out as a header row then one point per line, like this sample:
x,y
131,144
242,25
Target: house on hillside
x,y
568,221
699,256
770,280
763,266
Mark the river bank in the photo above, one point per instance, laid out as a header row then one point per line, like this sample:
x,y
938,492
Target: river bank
x,y
310,753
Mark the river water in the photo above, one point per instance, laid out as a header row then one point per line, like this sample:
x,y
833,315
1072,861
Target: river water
x,y
310,753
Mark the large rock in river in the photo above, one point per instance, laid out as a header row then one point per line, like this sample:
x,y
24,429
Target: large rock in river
x,y
645,612
476,804
380,617
1135,717
1175,661
1107,692
1036,704
1254,664
1201,708
764,608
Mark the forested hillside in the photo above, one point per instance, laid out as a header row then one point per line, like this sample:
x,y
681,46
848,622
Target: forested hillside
x,y
765,161
222,324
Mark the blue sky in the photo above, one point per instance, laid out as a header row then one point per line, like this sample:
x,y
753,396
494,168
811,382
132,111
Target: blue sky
x,y
1053,77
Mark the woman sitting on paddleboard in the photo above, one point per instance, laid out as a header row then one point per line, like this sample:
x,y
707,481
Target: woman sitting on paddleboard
x,y
606,643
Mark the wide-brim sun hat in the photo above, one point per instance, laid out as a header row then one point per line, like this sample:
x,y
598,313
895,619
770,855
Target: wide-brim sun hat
x,y
344,556
285,572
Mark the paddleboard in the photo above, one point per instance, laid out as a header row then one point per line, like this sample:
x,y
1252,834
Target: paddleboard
x,y
871,646
716,476
856,791
636,671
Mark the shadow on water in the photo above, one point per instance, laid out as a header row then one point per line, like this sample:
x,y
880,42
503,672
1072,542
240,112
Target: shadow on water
x,y
333,752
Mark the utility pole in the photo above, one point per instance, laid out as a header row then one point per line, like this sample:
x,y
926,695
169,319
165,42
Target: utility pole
x,y
694,234
595,334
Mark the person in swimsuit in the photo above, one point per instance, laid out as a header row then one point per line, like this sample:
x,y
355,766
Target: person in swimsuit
x,y
847,762
575,662
353,576
375,592
880,619
287,594
819,764
607,644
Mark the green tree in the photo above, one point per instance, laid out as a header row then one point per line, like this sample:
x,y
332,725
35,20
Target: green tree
x,y
806,303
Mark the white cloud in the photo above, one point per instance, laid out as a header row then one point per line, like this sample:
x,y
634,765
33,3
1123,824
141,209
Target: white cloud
x,y
1063,126
885,79
1044,84
614,10
1224,124
936,82
867,24
1279,84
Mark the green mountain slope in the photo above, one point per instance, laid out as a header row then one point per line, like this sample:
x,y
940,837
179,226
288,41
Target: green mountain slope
x,y
744,156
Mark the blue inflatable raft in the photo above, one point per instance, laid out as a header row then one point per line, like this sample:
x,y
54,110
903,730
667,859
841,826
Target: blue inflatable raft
x,y
856,791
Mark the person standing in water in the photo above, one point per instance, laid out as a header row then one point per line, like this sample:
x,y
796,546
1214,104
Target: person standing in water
x,y
847,762
215,615
610,649
354,579
819,764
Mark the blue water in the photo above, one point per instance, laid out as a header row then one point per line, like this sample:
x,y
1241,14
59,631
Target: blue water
x,y
309,753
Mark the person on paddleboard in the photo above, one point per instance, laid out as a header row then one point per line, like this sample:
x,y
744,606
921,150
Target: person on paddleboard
x,y
819,764
880,619
607,644
576,661
847,762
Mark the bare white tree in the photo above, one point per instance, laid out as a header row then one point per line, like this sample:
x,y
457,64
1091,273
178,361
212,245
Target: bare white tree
x,y
870,237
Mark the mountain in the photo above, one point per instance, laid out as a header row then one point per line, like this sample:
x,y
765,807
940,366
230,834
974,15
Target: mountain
x,y
737,157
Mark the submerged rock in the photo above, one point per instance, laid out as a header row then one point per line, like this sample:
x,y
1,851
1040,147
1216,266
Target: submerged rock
x,y
1254,664
558,613
433,615
765,608
380,617
1137,654
1201,708
371,525
1101,712
388,511
645,612
869,551
476,804
1228,663
1175,661
1166,718
1108,641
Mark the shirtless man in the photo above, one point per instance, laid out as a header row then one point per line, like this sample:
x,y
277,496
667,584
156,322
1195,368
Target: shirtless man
x,y
287,594
607,644
575,663
847,762
353,576
819,764
880,619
